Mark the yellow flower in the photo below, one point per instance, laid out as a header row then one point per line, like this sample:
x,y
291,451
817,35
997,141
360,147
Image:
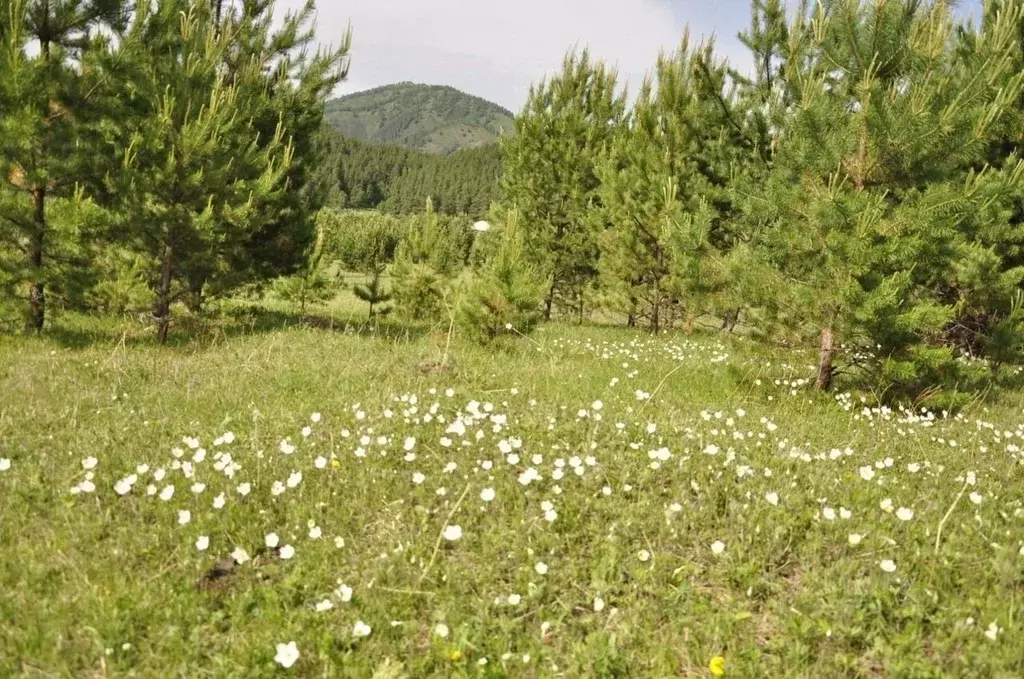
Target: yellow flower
x,y
336,464
717,666
455,656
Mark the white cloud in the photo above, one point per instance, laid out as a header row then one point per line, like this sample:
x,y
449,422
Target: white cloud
x,y
496,50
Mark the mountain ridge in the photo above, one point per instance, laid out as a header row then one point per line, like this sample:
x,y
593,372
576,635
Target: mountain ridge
x,y
437,119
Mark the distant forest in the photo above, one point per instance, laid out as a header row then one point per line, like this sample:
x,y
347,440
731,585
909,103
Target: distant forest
x,y
398,180
430,118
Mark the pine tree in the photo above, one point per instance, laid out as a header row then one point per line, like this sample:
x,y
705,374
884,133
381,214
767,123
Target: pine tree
x,y
315,282
506,297
767,39
122,282
984,284
423,268
864,203
664,188
360,240
373,292
52,108
282,86
195,174
550,173
367,243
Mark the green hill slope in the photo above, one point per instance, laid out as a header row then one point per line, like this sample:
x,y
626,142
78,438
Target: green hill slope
x,y
429,118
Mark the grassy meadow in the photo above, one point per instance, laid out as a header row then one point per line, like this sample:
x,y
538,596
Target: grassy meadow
x,y
589,502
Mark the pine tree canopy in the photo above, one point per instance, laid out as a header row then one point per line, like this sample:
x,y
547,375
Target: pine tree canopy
x,y
550,172
869,192
858,190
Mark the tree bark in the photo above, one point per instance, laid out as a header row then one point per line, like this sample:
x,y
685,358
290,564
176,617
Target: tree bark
x,y
580,318
825,355
860,163
656,308
549,302
37,245
162,307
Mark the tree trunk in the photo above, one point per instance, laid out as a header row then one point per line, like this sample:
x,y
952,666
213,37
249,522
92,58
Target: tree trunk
x,y
731,318
37,244
195,299
162,307
862,161
688,323
825,355
580,318
656,308
549,302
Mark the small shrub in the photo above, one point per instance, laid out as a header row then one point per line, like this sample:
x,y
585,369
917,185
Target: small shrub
x,y
423,269
507,295
374,294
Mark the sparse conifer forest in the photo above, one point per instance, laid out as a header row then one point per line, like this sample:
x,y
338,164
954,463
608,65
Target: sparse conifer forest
x,y
717,373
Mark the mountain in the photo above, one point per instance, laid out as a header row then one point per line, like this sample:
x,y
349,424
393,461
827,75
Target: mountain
x,y
430,118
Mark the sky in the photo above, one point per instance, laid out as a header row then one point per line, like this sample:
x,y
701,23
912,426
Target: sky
x,y
495,50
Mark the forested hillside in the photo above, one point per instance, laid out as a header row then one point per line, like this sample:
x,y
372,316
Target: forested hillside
x,y
428,118
399,180
153,154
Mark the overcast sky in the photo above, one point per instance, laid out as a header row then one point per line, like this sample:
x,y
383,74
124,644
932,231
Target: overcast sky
x,y
495,50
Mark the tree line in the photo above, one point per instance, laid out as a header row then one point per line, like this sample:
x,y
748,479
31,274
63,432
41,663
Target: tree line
x,y
862,188
171,152
399,180
431,268
172,145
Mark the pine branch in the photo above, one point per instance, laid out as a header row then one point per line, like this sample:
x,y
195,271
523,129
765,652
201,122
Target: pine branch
x,y
705,71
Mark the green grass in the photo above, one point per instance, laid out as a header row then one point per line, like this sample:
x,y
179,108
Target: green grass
x,y
94,584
